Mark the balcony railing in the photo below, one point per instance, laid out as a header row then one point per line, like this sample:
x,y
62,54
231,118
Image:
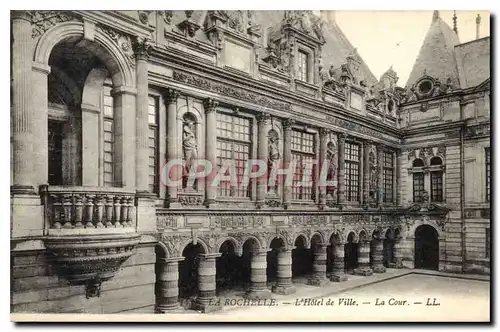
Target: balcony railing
x,y
87,207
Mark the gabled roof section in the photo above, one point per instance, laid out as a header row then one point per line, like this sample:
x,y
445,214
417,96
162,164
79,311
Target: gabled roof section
x,y
473,62
337,48
436,56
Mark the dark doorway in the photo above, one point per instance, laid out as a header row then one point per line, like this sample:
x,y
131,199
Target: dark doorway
x,y
426,248
272,260
55,139
228,265
350,254
188,271
301,259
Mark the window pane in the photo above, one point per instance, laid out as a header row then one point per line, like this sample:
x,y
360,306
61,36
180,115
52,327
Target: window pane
x,y
352,172
418,186
488,173
437,186
108,136
153,144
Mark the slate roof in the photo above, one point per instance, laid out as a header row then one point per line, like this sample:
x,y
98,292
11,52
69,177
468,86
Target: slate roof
x,y
437,54
473,62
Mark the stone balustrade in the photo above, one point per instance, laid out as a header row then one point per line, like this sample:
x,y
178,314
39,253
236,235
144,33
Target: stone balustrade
x,y
87,207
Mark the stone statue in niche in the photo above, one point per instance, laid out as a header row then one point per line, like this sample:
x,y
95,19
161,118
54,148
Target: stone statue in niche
x,y
189,146
373,177
331,156
273,160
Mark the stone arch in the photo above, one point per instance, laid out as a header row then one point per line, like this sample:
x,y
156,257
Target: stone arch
x,y
355,237
389,233
279,237
363,235
307,243
237,245
425,221
161,250
62,80
105,48
190,241
438,159
318,235
253,238
335,237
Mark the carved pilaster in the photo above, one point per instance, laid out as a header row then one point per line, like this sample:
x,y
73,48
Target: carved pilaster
x,y
341,173
211,147
170,97
287,158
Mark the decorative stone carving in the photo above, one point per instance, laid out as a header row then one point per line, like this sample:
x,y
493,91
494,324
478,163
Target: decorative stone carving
x,y
230,91
373,169
43,20
174,243
188,26
353,218
348,125
273,203
144,16
189,146
273,158
331,157
123,42
188,199
166,221
167,16
302,220
92,259
236,221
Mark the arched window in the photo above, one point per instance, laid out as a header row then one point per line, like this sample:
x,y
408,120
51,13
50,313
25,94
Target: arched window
x,y
436,180
418,180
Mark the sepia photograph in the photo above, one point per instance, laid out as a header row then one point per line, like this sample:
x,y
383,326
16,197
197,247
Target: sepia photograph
x,y
250,166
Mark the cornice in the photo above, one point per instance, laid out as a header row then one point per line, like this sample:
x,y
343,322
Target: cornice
x,y
118,21
434,128
175,61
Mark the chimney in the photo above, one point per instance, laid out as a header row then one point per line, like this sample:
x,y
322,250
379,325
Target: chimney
x,y
478,25
329,16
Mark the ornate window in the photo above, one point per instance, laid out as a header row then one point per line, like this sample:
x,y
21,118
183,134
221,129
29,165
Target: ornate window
x,y
418,180
153,144
388,176
233,145
488,173
436,181
303,63
352,172
109,135
303,155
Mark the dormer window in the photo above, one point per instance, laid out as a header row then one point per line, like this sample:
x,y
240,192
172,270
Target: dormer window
x,y
303,66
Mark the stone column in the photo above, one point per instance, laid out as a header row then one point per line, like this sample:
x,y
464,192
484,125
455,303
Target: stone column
x,y
207,300
284,284
398,252
167,288
39,96
124,99
22,111
366,173
377,247
341,175
319,266
363,268
171,96
263,155
380,180
258,276
142,122
287,159
211,150
338,274
323,141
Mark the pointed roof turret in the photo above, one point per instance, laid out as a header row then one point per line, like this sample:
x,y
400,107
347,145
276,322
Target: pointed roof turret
x,y
436,55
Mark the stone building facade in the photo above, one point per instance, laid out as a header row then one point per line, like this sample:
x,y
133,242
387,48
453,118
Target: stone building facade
x,y
104,101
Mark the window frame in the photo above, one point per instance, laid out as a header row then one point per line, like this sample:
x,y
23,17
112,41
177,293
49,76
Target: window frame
x,y
233,192
155,186
388,179
487,165
349,166
300,153
303,66
108,84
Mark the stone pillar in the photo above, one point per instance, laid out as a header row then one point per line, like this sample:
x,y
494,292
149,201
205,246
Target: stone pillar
x,y
284,284
211,149
380,180
258,276
319,266
39,96
22,111
338,274
377,247
366,173
398,252
323,141
363,268
263,155
142,122
171,96
207,300
341,175
167,287
125,135
287,159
